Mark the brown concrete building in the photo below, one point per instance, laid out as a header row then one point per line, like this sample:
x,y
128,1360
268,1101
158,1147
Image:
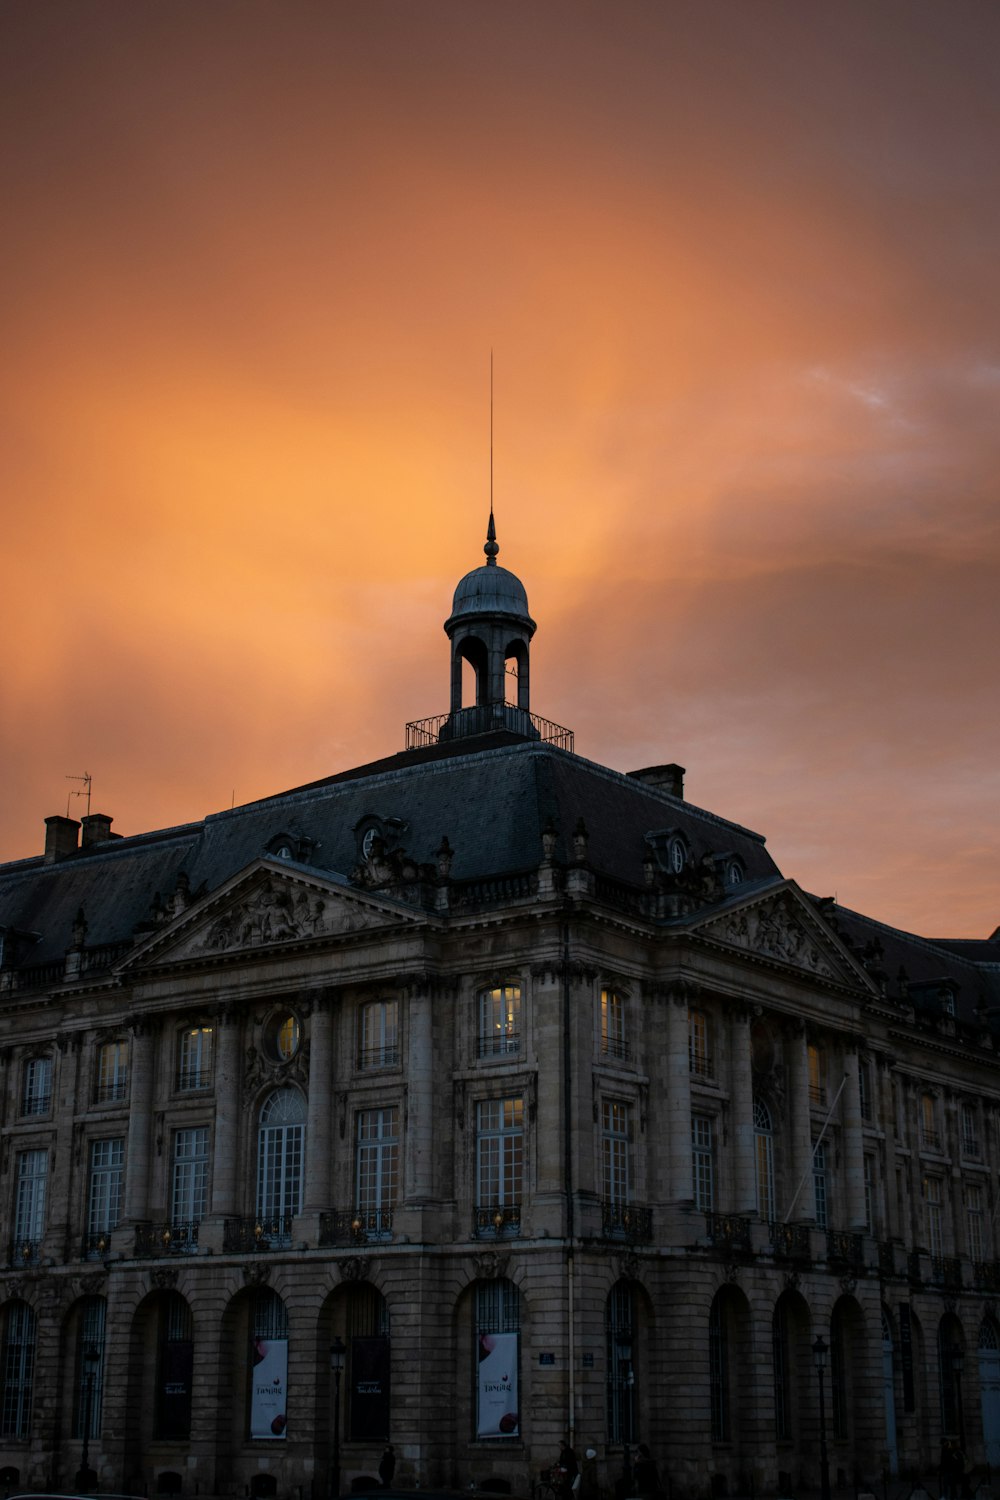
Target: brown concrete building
x,y
542,1091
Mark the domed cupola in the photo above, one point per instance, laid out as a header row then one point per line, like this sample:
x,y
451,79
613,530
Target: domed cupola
x,y
489,627
490,591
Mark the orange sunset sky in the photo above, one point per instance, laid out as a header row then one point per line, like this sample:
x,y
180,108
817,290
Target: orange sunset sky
x,y
739,262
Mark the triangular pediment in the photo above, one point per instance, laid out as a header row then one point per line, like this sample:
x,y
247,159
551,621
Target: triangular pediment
x,y
268,905
783,926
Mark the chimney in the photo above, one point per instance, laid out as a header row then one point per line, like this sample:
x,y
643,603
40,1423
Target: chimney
x,y
96,829
664,778
60,838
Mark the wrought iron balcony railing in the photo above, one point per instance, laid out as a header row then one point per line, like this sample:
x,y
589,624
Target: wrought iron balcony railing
x,y
25,1252
503,1220
626,1221
96,1245
167,1239
243,1236
986,1276
482,719
356,1226
844,1247
790,1240
728,1231
946,1271
384,1056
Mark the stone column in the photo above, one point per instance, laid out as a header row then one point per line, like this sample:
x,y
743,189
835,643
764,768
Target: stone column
x,y
319,1118
803,1209
140,1122
227,1114
418,1159
741,1090
680,1189
854,1159
885,1116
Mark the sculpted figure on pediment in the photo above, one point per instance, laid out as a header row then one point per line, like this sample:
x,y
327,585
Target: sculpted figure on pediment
x,y
270,916
769,929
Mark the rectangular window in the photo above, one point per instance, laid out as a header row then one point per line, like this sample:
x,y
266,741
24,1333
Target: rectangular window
x,y
104,1200
378,1034
194,1059
17,1371
929,1136
500,1020
870,1194
36,1091
500,1153
702,1163
29,1211
613,1024
817,1074
820,1187
932,1215
976,1220
970,1135
615,1143
699,1056
865,1090
189,1194
112,1071
377,1167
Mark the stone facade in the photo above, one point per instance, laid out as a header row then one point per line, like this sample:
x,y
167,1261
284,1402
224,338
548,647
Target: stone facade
x,y
484,1051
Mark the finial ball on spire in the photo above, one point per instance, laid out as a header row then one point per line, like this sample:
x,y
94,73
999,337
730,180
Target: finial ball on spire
x,y
492,546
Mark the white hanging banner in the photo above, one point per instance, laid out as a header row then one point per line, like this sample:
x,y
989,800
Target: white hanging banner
x,y
270,1384
497,1415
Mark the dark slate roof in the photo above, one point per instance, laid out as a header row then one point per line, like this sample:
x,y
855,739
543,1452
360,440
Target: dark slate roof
x,y
491,797
971,968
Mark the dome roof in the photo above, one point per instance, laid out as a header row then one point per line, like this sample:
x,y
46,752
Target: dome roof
x,y
491,590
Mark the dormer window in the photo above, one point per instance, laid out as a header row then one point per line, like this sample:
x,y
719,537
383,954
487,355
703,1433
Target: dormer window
x,y
734,872
677,855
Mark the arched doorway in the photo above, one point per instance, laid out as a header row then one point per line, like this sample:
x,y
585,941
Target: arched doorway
x,y
889,1393
731,1380
989,1390
951,1354
160,1376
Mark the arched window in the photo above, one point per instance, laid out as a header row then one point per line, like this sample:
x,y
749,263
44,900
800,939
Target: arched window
x,y
779,1363
989,1389
268,1366
280,1152
88,1394
764,1151
497,1364
718,1369
620,1325
18,1370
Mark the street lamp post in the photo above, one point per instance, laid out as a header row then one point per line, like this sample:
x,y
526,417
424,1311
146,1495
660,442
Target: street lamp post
x,y
86,1478
821,1350
338,1350
624,1342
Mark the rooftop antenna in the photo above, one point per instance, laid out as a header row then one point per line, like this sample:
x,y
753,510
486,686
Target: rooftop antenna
x,y
491,549
86,778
